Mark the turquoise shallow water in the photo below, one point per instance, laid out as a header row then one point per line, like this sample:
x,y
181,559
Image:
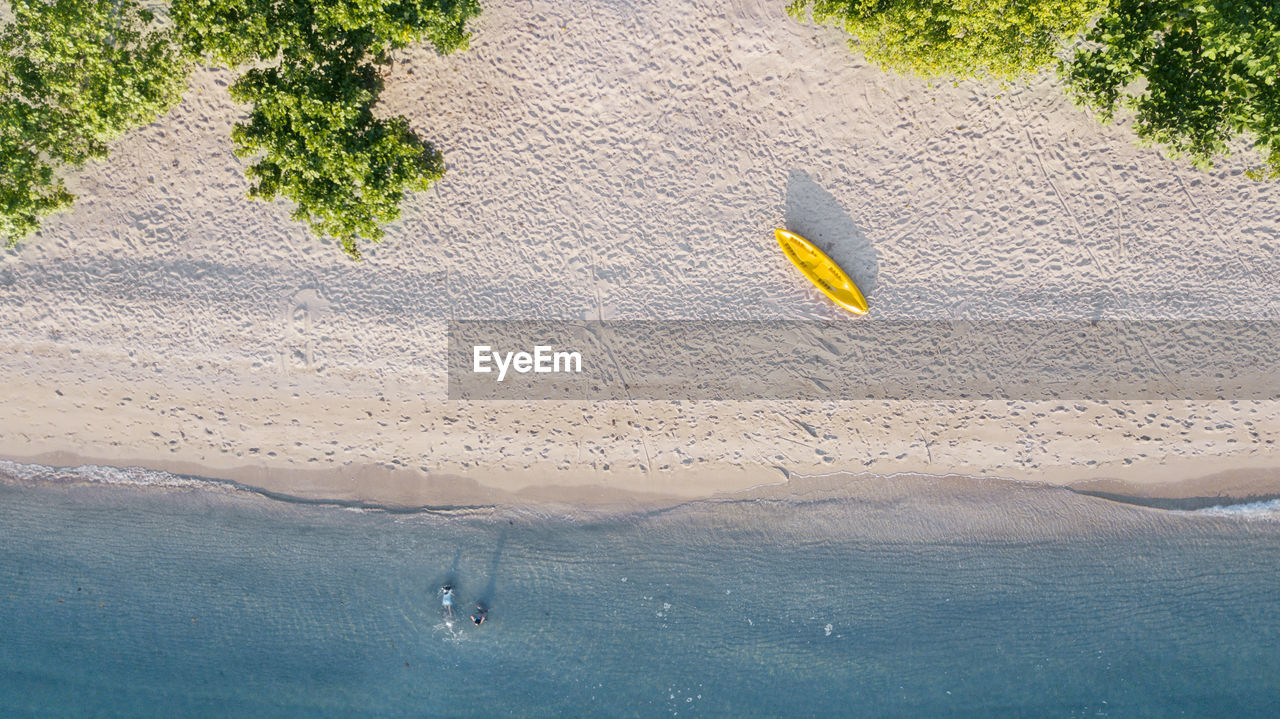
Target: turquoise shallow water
x,y
140,602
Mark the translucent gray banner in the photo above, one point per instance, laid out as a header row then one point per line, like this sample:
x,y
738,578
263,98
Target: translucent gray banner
x,y
891,360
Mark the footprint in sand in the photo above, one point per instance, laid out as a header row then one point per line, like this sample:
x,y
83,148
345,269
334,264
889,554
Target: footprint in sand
x,y
301,312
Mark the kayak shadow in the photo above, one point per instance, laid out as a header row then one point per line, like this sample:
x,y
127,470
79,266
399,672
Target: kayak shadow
x,y
817,215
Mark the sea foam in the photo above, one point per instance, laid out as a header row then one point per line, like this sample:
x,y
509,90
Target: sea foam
x,y
104,474
1267,510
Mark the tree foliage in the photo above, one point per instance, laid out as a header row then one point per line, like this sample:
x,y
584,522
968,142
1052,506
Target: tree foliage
x,y
74,75
321,146
956,38
235,32
1209,72
313,86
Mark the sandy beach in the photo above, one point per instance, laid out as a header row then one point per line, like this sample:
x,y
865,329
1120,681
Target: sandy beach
x,y
628,160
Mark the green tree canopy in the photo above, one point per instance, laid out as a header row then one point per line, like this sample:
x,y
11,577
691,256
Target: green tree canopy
x,y
321,146
1197,74
74,75
235,32
313,88
956,38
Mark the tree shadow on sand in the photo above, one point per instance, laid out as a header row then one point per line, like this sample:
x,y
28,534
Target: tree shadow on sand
x,y
816,214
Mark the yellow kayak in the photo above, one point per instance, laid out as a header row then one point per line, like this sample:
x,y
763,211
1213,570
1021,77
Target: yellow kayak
x,y
822,271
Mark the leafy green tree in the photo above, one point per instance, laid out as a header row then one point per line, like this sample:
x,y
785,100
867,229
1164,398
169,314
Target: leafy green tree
x,y
313,86
74,75
321,147
1004,39
1209,72
235,32
29,187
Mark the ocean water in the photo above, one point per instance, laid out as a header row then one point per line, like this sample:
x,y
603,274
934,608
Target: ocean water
x,y
907,599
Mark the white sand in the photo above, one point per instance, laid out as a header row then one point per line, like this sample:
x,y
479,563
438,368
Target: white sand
x,y
623,160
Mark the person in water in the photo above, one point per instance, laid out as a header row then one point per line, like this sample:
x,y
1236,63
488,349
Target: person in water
x,y
446,599
480,615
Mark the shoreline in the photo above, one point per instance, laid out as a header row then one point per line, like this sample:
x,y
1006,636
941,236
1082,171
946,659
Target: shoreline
x,y
378,488
365,437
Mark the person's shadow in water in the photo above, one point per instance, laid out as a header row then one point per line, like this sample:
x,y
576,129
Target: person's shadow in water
x,y
817,215
486,597
451,578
